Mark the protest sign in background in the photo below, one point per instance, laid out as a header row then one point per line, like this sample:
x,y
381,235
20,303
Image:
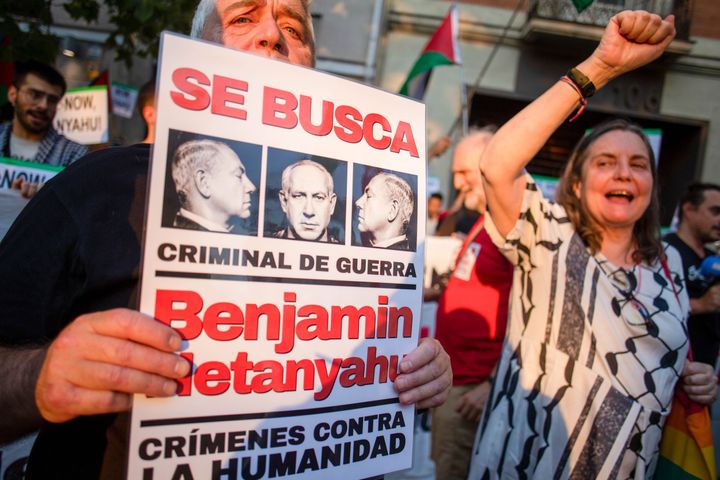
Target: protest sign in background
x,y
11,202
82,115
124,98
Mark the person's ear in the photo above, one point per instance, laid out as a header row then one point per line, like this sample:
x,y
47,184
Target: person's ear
x,y
688,207
576,189
283,200
333,200
394,211
12,95
148,114
202,183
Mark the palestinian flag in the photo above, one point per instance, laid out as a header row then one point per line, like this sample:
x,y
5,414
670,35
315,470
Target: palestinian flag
x,y
103,78
442,49
581,5
686,450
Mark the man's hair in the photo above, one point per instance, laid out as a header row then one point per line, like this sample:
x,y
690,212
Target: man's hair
x,y
46,72
146,95
399,191
285,181
695,195
489,128
192,156
479,137
437,195
646,232
206,23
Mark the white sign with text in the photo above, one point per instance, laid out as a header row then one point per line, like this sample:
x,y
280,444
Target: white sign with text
x,y
82,115
282,241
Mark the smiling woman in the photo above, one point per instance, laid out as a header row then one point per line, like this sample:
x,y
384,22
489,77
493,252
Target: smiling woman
x,y
597,335
609,182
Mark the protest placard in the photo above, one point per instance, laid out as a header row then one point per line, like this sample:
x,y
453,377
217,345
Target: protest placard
x,y
82,115
123,99
282,242
11,202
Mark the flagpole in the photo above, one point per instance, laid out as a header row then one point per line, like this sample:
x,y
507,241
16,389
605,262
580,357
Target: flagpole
x,y
463,91
471,91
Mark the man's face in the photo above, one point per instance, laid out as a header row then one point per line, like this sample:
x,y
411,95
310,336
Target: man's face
x,y
273,28
35,102
374,207
466,174
433,207
230,187
704,220
308,203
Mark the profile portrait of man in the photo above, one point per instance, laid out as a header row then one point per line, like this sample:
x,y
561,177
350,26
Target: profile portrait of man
x,y
212,186
307,197
384,212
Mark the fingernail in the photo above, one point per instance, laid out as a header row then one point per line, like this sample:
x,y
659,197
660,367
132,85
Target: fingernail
x,y
170,387
181,367
405,366
175,342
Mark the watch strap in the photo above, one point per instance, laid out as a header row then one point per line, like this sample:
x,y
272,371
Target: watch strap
x,y
586,86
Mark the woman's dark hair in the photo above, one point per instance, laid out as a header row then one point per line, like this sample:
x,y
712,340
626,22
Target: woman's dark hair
x,y
646,232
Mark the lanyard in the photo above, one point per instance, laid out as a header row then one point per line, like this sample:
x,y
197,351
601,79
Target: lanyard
x,y
474,232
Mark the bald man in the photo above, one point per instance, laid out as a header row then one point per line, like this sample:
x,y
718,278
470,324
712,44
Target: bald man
x,y
470,321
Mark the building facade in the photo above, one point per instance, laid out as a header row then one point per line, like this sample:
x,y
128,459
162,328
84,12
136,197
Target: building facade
x,y
514,49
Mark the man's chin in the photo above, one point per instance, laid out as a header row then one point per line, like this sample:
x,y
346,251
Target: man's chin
x,y
36,125
313,237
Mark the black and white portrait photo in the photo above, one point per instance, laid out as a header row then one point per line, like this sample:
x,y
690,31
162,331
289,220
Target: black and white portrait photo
x,y
305,197
211,184
385,209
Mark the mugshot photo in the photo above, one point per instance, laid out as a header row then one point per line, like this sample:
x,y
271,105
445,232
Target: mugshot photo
x,y
211,184
385,209
305,197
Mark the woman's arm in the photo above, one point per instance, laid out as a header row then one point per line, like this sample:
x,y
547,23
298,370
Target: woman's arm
x,y
631,40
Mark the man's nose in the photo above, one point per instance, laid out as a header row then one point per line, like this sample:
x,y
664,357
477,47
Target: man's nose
x,y
458,181
42,102
269,37
360,202
249,185
308,207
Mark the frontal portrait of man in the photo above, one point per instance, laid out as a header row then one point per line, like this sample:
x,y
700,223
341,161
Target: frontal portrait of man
x,y
308,202
385,212
213,188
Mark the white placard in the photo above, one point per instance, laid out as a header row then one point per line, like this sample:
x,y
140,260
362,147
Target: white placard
x,y
123,99
294,343
82,115
11,202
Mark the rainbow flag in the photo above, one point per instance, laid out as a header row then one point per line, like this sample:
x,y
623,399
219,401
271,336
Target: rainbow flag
x,y
686,450
441,49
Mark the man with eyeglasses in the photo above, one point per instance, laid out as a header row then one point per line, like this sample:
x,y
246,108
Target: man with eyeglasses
x,y
35,93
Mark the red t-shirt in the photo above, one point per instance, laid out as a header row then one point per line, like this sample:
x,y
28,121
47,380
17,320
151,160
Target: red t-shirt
x,y
472,311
